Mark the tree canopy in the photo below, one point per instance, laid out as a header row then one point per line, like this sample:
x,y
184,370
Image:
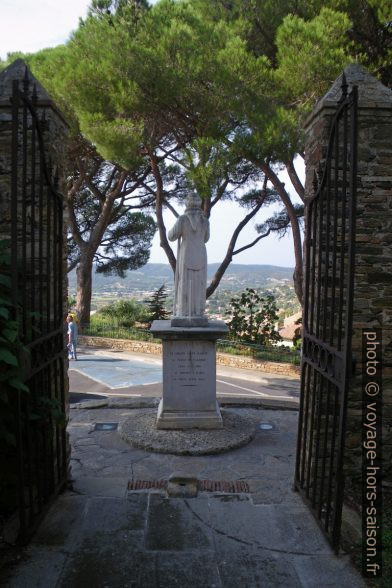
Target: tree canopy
x,y
213,95
214,86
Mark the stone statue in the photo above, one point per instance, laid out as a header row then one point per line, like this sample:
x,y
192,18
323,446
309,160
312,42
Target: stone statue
x,y
192,230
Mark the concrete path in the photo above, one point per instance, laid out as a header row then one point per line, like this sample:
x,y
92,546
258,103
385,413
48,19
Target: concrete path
x,y
102,534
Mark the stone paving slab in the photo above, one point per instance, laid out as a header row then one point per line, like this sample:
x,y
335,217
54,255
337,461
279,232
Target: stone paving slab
x,y
152,541
102,535
190,570
39,567
247,567
171,526
61,528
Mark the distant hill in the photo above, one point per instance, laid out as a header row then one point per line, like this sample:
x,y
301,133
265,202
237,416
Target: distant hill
x,y
153,275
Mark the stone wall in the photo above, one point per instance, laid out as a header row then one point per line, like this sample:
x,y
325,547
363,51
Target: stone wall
x,y
373,259
121,344
249,363
237,361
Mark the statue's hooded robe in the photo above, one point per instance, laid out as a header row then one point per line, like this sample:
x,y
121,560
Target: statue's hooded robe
x,y
192,230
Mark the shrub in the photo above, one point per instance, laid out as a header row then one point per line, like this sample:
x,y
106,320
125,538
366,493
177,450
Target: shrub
x,y
125,312
253,318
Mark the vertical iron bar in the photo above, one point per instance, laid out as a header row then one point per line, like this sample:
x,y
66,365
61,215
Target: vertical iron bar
x,y
58,258
348,318
319,259
50,429
15,288
48,254
30,448
30,284
63,430
23,202
318,432
306,423
33,219
312,423
325,448
57,386
332,457
306,326
54,260
343,277
327,268
61,265
312,268
333,274
301,427
14,191
41,292
39,447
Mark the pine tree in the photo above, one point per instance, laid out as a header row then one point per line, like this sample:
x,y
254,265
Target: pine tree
x,y
157,305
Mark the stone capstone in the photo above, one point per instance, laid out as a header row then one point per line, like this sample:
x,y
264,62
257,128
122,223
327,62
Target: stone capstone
x,y
182,485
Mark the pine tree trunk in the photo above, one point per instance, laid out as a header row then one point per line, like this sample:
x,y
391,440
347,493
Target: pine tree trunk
x,y
84,290
298,278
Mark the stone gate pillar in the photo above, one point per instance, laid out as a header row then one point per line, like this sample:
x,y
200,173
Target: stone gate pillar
x,y
372,308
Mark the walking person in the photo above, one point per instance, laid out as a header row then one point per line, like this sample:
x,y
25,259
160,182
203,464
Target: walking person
x,y
72,337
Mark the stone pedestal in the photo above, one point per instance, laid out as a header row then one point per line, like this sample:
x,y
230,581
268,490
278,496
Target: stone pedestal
x,y
189,375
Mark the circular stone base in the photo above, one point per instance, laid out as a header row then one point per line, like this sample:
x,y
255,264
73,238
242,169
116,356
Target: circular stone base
x,y
140,431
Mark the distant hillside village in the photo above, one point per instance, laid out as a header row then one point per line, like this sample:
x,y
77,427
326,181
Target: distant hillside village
x,y
141,284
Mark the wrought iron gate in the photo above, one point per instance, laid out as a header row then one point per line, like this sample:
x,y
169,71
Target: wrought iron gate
x,y
327,323
37,282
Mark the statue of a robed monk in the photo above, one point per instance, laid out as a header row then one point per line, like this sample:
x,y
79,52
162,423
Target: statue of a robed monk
x,y
192,230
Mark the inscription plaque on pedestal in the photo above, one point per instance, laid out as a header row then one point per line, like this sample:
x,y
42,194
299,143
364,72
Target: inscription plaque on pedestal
x,y
189,376
189,373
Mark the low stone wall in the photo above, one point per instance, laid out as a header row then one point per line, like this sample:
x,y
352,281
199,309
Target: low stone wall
x,y
237,361
249,363
121,344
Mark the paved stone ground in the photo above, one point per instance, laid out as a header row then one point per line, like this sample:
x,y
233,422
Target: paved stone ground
x,y
101,535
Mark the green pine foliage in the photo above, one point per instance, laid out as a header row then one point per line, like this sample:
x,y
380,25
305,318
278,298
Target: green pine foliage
x,y
157,305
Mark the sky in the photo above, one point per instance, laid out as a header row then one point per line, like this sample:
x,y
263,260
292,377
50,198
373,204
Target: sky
x,y
30,25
